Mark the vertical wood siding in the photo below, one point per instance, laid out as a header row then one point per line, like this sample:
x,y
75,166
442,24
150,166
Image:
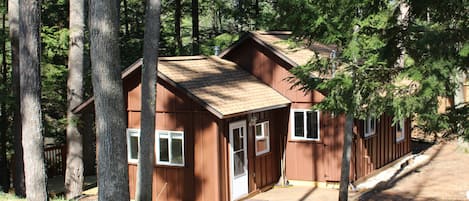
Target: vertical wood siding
x,y
376,151
199,179
319,160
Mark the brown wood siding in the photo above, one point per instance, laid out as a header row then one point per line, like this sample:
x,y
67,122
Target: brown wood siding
x,y
200,178
376,151
317,160
268,68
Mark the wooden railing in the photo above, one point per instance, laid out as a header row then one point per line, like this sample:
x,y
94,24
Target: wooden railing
x,y
55,157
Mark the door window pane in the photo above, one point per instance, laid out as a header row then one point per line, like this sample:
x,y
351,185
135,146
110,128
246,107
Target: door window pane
x,y
237,139
238,163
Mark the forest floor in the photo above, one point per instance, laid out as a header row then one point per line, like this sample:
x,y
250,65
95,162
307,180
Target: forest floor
x,y
442,175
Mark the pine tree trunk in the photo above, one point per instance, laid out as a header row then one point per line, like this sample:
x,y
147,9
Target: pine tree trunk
x,y
195,27
177,26
30,94
346,156
13,21
149,77
4,170
113,175
74,173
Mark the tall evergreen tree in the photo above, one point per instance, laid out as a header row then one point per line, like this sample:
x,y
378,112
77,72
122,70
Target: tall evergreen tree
x,y
4,114
195,27
74,171
109,101
13,21
149,78
30,95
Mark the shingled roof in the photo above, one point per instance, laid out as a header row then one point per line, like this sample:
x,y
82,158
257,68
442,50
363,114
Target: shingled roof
x,y
219,85
296,53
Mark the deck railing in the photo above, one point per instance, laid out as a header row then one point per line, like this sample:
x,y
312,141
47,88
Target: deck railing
x,y
55,157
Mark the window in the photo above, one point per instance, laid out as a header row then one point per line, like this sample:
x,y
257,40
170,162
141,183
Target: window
x,y
369,127
262,138
170,148
133,136
400,131
305,124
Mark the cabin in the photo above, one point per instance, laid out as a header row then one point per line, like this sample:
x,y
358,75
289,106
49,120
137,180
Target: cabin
x,y
315,138
225,123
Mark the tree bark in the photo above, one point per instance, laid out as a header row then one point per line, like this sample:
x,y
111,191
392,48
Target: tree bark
x,y
109,101
4,170
346,155
177,26
195,27
30,94
74,173
149,78
18,176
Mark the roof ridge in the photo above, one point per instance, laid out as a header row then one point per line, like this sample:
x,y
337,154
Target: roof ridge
x,y
182,58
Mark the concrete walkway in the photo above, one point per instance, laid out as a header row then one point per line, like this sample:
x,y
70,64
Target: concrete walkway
x,y
297,193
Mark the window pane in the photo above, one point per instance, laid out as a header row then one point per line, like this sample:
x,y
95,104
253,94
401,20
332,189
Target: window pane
x,y
266,129
237,139
312,125
258,130
164,154
176,151
366,126
238,163
261,145
299,124
134,147
372,125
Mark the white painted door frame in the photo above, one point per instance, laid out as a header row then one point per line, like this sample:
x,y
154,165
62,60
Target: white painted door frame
x,y
239,181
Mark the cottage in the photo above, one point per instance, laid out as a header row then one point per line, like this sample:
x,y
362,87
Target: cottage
x,y
223,124
218,131
315,138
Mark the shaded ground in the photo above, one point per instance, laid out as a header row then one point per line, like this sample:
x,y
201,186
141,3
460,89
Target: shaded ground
x,y
443,176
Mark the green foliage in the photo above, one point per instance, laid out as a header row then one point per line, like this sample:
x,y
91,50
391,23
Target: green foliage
x,y
223,41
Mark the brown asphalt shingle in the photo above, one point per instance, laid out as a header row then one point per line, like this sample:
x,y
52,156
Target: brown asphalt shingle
x,y
220,85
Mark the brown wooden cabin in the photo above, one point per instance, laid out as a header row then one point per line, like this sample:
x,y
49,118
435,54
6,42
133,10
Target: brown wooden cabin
x,y
218,129
313,152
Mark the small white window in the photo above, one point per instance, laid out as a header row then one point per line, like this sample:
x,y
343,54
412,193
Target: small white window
x,y
262,138
400,131
305,124
170,148
133,138
369,127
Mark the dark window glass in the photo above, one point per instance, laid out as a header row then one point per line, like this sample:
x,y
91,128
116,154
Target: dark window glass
x,y
312,125
239,163
259,130
237,139
176,151
164,154
299,124
134,147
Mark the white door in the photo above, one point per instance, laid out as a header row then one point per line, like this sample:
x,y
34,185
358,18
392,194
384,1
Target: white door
x,y
238,159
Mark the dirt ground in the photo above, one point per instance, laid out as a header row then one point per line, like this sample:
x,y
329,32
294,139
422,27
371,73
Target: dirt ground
x,y
445,176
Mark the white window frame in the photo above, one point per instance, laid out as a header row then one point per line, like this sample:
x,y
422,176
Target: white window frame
x,y
170,137
305,130
263,136
132,132
367,127
402,126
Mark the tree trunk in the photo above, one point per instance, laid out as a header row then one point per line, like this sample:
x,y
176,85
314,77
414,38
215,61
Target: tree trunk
x,y
13,21
346,155
149,77
74,172
177,26
4,170
30,94
113,175
126,19
195,27
403,21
